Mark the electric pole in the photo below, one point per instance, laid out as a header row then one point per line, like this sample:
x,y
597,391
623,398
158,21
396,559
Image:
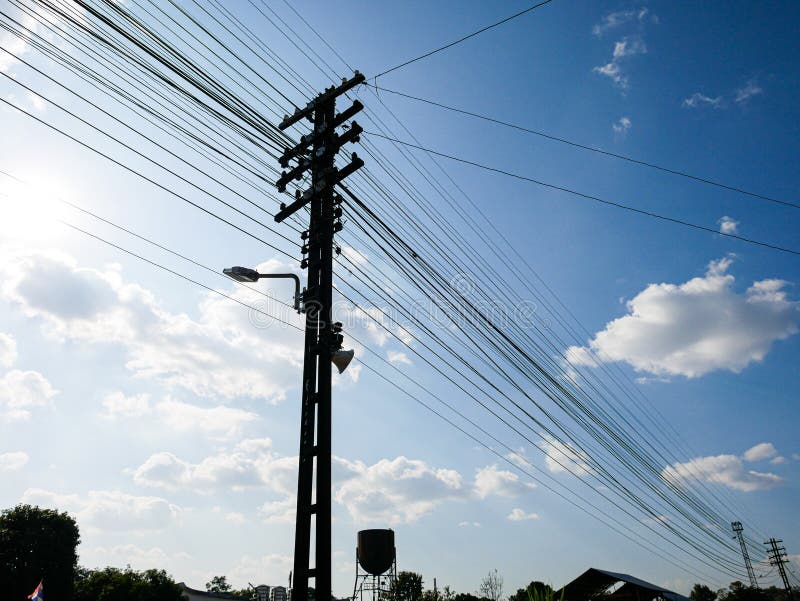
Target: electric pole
x,y
738,528
777,557
316,152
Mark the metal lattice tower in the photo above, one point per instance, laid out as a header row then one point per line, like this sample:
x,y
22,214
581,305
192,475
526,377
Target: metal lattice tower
x,y
738,528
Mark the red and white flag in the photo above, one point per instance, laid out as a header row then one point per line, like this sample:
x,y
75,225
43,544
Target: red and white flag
x,y
37,594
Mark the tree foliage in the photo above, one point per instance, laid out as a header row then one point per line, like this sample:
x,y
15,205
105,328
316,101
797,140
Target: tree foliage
x,y
535,588
491,586
737,591
37,544
407,587
468,597
113,584
701,592
218,584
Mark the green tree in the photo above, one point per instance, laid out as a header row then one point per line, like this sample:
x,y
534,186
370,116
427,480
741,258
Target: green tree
x,y
218,584
737,591
700,592
535,587
37,544
113,584
407,587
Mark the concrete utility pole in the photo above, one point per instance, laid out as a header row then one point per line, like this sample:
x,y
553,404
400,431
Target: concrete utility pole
x,y
777,557
738,528
323,339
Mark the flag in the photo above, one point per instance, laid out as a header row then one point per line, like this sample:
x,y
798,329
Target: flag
x,y
37,594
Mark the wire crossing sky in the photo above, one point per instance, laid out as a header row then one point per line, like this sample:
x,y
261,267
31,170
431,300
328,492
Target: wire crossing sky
x,y
603,409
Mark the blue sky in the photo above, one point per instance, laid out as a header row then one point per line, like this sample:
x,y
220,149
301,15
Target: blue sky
x,y
166,420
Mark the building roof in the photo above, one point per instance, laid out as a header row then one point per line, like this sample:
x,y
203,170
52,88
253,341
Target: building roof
x,y
206,594
594,583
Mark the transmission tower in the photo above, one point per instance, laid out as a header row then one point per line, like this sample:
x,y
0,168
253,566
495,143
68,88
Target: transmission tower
x,y
738,528
323,340
777,557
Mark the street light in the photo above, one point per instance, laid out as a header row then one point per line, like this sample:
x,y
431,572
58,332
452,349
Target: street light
x,y
247,275
340,358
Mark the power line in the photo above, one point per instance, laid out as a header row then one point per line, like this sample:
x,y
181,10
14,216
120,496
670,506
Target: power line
x,y
175,273
242,103
144,177
586,196
370,368
615,155
466,37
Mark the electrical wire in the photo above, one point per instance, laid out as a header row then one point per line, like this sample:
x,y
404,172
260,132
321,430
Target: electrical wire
x,y
575,144
588,196
462,39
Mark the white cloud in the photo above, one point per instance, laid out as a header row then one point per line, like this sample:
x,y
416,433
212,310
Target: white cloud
x,y
8,350
728,470
13,461
760,452
14,44
119,406
519,515
218,423
394,491
622,126
628,47
279,512
36,101
224,352
469,524
564,458
616,19
250,464
699,326
727,225
778,460
614,73
698,100
398,357
746,92
235,518
109,510
132,555
268,568
22,390
491,480
222,423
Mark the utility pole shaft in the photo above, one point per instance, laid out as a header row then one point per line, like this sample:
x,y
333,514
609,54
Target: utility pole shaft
x,y
738,528
322,336
777,557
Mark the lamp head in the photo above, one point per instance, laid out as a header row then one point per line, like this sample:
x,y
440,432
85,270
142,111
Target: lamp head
x,y
241,274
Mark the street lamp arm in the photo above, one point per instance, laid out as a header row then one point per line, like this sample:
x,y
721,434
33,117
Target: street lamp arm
x,y
289,276
245,274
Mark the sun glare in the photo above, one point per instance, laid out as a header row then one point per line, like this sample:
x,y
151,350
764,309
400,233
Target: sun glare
x,y
30,211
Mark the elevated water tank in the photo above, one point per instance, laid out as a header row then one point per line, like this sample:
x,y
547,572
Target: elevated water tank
x,y
376,550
